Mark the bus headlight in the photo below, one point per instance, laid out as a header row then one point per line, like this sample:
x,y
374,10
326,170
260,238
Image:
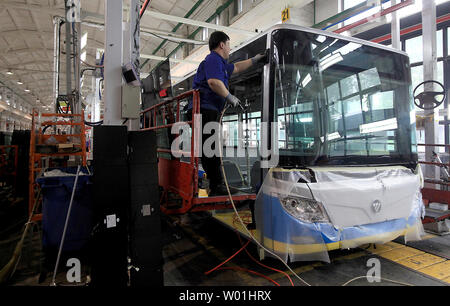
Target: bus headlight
x,y
306,210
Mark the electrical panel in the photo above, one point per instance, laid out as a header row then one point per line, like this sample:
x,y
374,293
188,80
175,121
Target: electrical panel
x,y
131,101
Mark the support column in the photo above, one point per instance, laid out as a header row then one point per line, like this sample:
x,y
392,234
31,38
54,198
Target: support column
x,y
395,28
131,48
3,121
113,62
430,73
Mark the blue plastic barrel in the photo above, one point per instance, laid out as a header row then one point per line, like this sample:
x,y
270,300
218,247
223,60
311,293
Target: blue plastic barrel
x,y
56,193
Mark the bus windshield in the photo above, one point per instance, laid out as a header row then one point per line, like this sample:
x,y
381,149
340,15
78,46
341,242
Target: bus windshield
x,y
338,102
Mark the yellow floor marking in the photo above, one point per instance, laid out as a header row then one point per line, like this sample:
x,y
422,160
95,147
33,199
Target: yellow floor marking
x,y
440,271
394,245
381,248
429,236
400,253
421,261
447,280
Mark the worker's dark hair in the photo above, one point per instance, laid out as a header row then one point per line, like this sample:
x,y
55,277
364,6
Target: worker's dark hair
x,y
216,38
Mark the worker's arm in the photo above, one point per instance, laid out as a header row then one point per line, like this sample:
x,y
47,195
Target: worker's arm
x,y
219,88
245,64
242,65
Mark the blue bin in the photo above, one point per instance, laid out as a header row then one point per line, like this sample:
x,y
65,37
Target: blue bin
x,y
56,192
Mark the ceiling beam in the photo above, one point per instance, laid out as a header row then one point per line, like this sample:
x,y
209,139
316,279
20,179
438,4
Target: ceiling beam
x,y
161,58
33,7
196,23
25,50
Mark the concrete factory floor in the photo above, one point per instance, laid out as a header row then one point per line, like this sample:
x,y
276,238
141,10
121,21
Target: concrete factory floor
x,y
196,243
199,243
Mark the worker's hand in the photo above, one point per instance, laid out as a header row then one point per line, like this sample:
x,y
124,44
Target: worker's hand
x,y
233,100
259,58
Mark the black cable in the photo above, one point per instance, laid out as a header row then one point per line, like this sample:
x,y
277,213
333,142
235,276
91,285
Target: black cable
x,y
61,22
125,121
83,70
43,131
93,124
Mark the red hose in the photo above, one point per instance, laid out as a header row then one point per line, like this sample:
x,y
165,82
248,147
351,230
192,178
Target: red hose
x,y
243,247
263,265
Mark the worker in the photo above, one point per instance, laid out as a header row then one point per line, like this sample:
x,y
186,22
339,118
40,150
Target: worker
x,y
211,80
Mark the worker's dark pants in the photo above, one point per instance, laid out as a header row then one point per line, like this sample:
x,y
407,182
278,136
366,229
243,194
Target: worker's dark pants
x,y
211,165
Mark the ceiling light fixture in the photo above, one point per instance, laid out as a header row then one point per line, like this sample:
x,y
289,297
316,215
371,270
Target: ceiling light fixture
x,y
9,72
27,90
19,82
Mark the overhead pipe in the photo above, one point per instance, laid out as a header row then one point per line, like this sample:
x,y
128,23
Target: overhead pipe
x,y
410,29
344,15
375,16
188,14
218,11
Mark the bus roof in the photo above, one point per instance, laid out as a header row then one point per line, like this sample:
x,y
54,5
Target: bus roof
x,y
309,30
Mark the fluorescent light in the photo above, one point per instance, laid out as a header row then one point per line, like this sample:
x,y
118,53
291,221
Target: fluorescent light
x,y
384,125
321,38
19,82
412,116
306,119
27,90
333,136
84,40
350,47
330,61
306,80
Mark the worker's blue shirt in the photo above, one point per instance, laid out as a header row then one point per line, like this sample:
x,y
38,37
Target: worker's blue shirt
x,y
213,66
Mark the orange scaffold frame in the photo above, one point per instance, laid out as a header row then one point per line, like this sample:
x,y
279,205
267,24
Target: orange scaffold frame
x,y
176,176
38,137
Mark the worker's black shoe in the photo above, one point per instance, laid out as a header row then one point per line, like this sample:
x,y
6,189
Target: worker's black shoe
x,y
221,190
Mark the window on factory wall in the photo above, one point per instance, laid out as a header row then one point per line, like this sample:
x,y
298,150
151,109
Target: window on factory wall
x,y
351,3
414,48
448,42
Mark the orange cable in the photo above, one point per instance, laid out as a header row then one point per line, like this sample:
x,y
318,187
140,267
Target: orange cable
x,y
261,264
231,257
